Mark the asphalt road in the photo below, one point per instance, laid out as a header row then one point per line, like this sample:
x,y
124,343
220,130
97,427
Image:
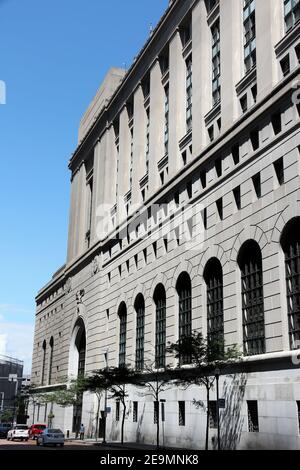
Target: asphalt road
x,y
31,445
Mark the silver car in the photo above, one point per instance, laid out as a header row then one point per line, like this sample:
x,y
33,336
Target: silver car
x,y
52,436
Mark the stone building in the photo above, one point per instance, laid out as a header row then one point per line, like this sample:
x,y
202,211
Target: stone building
x,y
185,215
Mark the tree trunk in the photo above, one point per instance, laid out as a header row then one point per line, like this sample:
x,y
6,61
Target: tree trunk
x,y
207,417
123,422
157,426
97,417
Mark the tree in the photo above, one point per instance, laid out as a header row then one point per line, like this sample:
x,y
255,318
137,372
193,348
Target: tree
x,y
206,355
113,380
156,381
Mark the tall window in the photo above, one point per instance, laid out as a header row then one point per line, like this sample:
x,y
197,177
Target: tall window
x,y
216,63
140,332
291,13
250,34
131,159
290,242
51,344
117,146
184,291
166,133
160,327
213,276
147,138
43,363
189,93
250,263
122,338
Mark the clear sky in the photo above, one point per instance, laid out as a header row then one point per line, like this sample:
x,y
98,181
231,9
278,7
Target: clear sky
x,y
53,56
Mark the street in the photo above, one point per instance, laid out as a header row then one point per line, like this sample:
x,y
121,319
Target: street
x,y
31,445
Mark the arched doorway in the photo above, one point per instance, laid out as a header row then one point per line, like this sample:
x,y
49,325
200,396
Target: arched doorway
x,y
77,367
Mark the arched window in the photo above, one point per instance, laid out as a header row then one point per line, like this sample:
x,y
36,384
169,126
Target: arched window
x,y
51,344
250,263
122,313
80,350
213,276
139,306
184,291
44,346
290,242
160,326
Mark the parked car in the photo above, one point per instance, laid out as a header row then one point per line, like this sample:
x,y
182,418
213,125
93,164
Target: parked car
x,y
51,436
19,431
4,428
36,429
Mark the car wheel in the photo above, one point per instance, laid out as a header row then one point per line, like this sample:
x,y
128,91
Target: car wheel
x,y
26,439
37,442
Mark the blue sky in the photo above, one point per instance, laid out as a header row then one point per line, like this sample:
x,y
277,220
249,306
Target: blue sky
x,y
53,56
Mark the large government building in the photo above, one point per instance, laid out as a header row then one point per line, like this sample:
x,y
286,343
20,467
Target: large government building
x,y
185,215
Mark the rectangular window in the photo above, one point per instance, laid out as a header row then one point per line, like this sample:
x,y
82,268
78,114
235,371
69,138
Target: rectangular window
x,y
244,103
216,63
166,134
256,179
218,166
131,159
117,411
253,425
211,133
249,34
181,413
219,205
204,218
189,93
276,123
203,179
285,65
135,412
254,137
291,13
156,412
279,170
298,413
213,417
237,197
235,151
122,339
163,412
154,245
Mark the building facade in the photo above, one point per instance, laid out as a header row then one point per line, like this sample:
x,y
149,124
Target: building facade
x,y
11,378
185,215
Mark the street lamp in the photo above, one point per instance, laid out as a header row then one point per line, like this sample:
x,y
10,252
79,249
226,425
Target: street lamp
x,y
217,375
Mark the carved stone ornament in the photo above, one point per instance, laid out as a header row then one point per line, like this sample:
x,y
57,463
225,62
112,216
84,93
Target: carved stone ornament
x,y
68,285
95,266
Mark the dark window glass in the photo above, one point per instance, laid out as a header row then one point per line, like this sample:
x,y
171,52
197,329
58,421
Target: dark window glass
x,y
122,338
213,276
140,332
253,425
160,330
250,262
184,291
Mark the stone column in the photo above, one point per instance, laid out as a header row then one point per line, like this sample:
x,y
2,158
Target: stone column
x,y
157,97
201,75
139,145
177,102
231,24
269,31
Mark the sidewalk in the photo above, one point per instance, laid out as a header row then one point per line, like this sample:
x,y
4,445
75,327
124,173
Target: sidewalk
x,y
126,445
